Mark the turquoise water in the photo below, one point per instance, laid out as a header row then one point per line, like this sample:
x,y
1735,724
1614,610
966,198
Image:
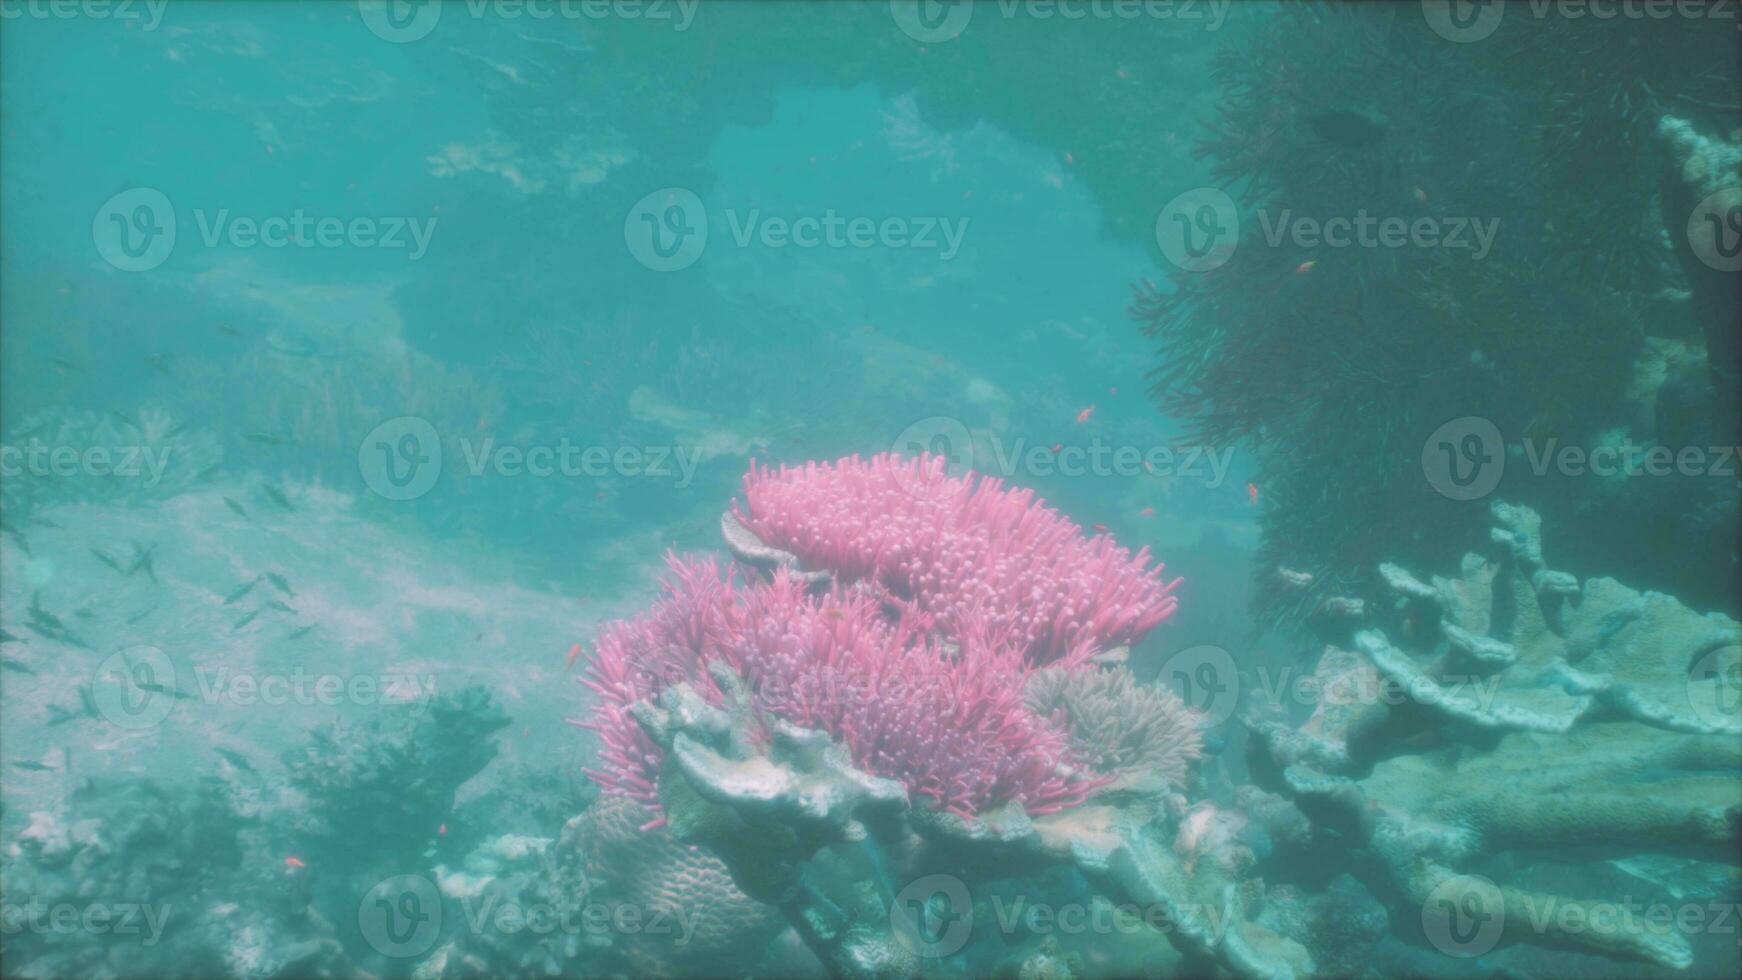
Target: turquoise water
x,y
360,362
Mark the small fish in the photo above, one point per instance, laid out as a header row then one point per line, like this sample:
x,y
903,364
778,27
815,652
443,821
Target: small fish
x,y
235,758
105,559
574,654
64,364
281,607
280,584
1420,194
156,361
87,702
241,590
226,330
59,715
299,633
1113,390
278,497
6,637
136,617
1069,159
142,561
245,620
235,507
441,830
1099,528
1056,447
1305,267
205,475
157,688
1083,416
29,766
1252,492
1146,512
264,438
294,862
16,666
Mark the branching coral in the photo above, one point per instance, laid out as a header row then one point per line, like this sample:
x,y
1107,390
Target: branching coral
x,y
1515,709
948,722
1118,726
980,557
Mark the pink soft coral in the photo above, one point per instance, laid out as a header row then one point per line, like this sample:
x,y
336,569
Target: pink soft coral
x,y
967,550
949,723
949,594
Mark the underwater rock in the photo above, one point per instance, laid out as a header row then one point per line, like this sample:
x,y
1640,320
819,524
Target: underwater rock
x,y
1515,710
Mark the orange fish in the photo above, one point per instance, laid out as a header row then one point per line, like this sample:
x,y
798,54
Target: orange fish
x,y
1252,492
574,654
1146,512
294,862
1420,194
442,830
1306,266
1100,528
1069,160
1083,416
1056,447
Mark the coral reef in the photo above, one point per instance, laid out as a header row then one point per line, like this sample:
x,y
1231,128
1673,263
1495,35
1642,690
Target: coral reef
x,y
365,786
898,705
1515,709
1332,111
